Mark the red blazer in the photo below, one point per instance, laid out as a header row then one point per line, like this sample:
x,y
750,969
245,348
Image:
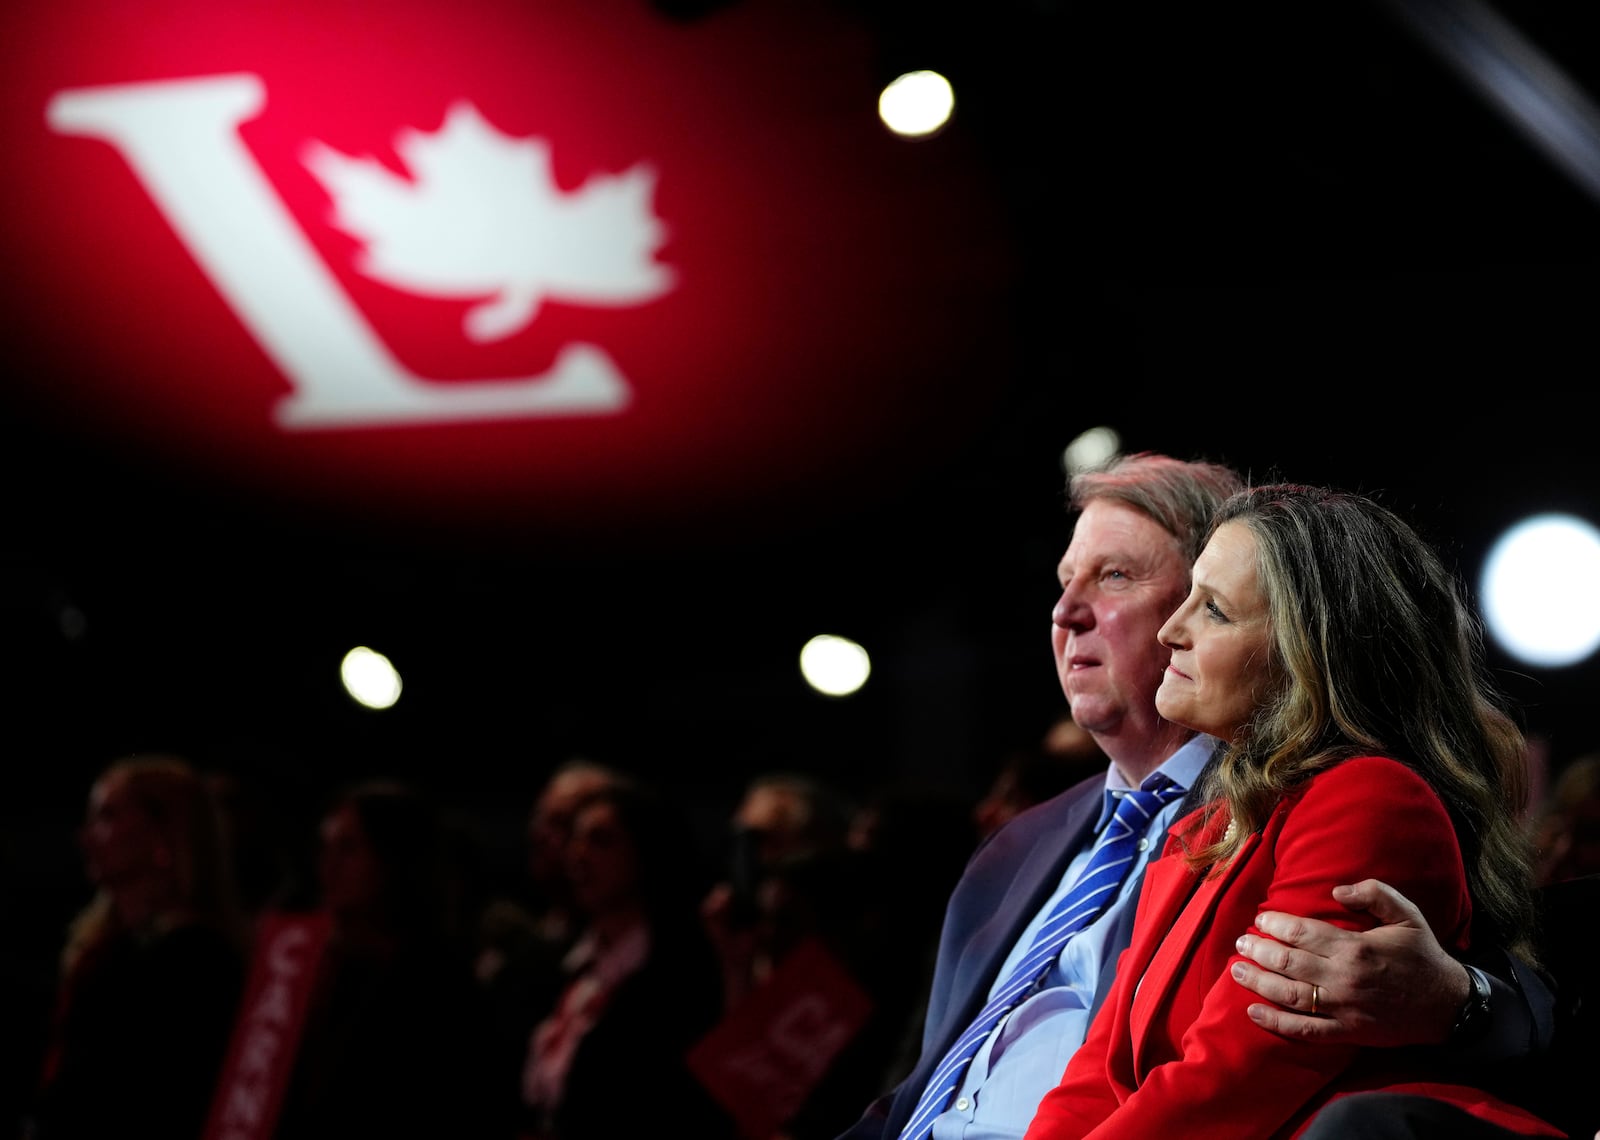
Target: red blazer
x,y
1173,1053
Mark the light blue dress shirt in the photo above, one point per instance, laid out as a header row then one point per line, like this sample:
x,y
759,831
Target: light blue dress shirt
x,y
1028,1051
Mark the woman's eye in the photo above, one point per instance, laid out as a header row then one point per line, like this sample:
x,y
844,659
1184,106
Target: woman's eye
x,y
1211,608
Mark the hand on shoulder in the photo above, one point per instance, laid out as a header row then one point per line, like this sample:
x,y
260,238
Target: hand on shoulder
x,y
1390,985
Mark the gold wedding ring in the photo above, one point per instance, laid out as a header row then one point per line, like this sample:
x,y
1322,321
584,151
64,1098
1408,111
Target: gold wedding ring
x,y
1316,996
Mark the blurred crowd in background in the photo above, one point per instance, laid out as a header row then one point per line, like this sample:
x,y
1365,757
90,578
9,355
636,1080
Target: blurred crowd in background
x,y
391,972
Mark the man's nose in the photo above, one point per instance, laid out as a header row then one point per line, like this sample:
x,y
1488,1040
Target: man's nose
x,y
1071,610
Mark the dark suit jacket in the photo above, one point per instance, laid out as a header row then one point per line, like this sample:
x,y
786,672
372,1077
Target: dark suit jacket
x,y
1558,1082
1007,880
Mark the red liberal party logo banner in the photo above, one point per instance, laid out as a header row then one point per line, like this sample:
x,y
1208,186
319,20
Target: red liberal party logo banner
x,y
564,258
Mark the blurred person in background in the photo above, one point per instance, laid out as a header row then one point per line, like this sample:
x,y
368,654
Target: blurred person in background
x,y
556,916
153,966
1567,831
609,1059
781,815
397,1041
522,938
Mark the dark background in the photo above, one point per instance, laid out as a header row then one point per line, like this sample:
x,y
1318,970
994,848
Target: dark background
x,y
1285,236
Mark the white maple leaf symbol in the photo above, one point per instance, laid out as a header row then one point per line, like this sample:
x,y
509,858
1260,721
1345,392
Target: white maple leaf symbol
x,y
481,216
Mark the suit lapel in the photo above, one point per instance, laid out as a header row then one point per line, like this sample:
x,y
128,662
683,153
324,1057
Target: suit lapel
x,y
1031,875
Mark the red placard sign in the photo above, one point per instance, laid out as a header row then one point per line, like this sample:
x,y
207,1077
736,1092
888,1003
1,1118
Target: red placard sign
x,y
769,1052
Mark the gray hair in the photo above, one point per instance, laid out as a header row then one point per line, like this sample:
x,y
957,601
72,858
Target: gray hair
x,y
1180,495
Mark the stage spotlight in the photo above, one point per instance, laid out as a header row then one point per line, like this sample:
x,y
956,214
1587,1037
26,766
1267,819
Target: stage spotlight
x,y
370,678
1538,590
1090,449
834,665
917,104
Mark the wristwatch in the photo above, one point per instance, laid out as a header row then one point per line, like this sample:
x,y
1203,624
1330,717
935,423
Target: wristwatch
x,y
1473,1019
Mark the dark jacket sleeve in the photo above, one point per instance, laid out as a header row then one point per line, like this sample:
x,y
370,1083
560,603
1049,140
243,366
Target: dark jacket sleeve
x,y
1543,1046
1522,1008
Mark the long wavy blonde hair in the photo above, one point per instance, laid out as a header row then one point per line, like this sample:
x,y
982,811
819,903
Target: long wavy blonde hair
x,y
179,804
1379,653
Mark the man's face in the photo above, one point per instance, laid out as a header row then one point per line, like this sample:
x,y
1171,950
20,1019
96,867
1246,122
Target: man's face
x,y
1121,578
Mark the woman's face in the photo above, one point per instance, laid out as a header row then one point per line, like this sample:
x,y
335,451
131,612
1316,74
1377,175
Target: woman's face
x,y
120,843
1221,640
602,863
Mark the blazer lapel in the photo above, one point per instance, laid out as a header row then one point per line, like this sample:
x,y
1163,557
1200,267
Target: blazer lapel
x,y
1039,873
1180,907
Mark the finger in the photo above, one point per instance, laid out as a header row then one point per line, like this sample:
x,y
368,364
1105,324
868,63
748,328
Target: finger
x,y
1311,935
1279,957
1287,1023
1274,987
1379,899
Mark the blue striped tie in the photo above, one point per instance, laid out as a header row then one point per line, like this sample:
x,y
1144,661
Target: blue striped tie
x,y
1098,885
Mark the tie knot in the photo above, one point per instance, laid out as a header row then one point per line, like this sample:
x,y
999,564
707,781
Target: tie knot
x,y
1135,806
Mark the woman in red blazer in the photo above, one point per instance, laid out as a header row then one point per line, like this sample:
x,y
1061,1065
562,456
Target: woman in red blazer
x,y
1324,642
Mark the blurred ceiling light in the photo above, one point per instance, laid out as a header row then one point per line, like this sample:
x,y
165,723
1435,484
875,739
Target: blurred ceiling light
x,y
834,665
1538,589
1513,75
369,678
916,104
1090,449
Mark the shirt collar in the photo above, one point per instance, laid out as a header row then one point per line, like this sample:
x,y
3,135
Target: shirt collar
x,y
1182,768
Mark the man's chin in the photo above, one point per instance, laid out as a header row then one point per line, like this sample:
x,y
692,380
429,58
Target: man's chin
x,y
1092,715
